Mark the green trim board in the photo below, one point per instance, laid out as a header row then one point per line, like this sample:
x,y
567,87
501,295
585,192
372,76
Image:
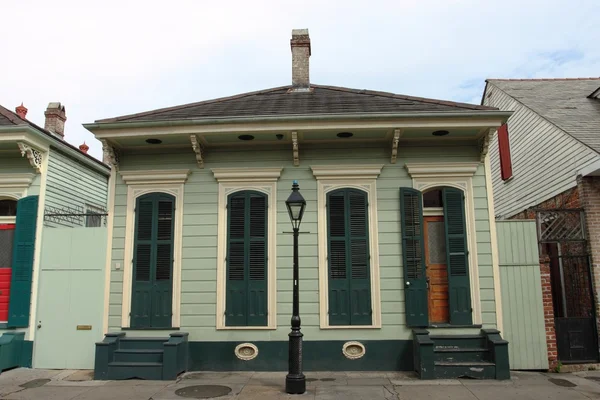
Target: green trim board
x,y
380,355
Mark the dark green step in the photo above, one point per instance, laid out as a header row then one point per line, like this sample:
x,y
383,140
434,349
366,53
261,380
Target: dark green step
x,y
142,343
461,341
138,355
135,370
452,370
446,354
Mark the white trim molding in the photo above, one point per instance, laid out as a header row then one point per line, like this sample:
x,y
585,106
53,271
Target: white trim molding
x,y
295,149
246,351
247,174
198,150
367,171
154,177
395,141
457,175
15,186
140,185
353,350
363,178
233,180
35,156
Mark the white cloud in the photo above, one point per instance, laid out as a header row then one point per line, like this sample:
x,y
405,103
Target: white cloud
x,y
109,58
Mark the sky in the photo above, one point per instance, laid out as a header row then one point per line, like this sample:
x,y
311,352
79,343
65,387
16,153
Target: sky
x,y
107,58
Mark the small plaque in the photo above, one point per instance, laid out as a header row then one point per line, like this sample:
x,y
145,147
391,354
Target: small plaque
x,y
84,327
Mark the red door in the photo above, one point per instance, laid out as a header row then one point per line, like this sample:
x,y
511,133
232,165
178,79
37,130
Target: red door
x,y
6,246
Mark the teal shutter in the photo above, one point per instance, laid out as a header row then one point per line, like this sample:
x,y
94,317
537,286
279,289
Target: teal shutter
x,y
152,288
348,258
413,256
246,285
22,262
459,289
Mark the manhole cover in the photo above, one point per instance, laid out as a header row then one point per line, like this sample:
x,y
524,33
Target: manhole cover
x,y
311,379
562,382
35,383
203,391
593,378
327,379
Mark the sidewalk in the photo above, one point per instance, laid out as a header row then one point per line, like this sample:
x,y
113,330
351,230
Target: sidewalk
x,y
26,384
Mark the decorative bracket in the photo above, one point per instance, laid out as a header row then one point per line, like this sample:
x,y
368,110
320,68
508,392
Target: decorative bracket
x,y
395,141
484,144
34,156
198,149
295,148
110,155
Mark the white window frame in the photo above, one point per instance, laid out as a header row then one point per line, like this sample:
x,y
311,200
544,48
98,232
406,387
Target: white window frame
x,y
427,176
232,180
361,177
140,183
14,187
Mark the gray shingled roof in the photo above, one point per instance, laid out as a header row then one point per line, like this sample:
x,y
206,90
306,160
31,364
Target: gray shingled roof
x,y
564,102
281,102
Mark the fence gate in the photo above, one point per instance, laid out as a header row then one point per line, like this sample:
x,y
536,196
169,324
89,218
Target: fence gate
x,y
561,234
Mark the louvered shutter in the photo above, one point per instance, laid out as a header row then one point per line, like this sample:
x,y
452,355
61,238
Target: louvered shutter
x,y
246,285
348,258
413,256
22,262
504,153
459,290
152,288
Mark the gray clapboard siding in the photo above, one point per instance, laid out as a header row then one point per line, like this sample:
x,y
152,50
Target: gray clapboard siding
x,y
71,184
199,253
545,159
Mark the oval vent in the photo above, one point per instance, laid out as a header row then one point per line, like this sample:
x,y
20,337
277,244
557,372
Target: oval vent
x,y
353,350
246,351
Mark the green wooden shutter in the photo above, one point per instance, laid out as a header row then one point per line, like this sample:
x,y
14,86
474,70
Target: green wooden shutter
x,y
246,285
348,258
152,288
413,256
459,289
22,262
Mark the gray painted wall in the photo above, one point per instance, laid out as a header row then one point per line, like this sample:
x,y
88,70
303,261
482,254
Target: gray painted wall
x,y
545,159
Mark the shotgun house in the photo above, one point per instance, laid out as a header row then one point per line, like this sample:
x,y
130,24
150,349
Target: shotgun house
x,y
45,183
397,251
560,118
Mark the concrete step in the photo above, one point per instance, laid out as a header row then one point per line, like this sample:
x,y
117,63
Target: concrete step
x,y
457,354
471,369
139,370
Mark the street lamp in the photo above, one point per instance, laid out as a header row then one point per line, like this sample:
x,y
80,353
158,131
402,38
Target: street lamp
x,y
295,381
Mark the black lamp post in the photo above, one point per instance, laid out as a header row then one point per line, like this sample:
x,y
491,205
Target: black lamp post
x,y
295,381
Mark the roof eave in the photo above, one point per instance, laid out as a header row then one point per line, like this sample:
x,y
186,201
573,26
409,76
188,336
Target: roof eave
x,y
501,115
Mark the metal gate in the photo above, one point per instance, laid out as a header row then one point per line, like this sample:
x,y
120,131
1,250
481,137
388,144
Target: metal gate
x,y
562,237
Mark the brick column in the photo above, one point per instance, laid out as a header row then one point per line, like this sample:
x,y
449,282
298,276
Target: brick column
x,y
589,193
548,311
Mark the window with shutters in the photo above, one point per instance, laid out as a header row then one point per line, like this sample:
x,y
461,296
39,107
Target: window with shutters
x,y
247,250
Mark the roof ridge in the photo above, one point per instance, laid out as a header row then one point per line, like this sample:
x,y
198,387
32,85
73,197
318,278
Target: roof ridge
x,y
187,105
405,97
542,79
12,116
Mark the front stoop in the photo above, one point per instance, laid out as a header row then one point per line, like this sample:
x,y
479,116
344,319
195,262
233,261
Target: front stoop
x,y
483,356
155,358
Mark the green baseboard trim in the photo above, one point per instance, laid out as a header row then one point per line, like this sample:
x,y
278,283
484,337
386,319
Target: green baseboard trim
x,y
380,355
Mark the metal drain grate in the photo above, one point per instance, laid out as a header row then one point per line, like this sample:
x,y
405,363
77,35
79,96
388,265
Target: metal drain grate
x,y
35,383
562,382
203,391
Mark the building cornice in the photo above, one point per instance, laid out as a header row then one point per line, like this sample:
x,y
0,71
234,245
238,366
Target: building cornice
x,y
247,174
165,176
367,171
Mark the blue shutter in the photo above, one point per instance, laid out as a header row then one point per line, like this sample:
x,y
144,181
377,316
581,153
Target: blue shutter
x,y
22,262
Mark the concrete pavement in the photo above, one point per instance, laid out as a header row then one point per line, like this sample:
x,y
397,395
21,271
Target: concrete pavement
x,y
26,384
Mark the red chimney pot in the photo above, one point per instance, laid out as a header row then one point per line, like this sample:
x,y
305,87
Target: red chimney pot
x,y
21,111
84,148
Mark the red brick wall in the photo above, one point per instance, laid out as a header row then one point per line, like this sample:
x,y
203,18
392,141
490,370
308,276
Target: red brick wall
x,y
548,311
567,199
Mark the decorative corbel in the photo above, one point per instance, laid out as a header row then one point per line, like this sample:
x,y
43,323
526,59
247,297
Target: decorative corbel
x,y
198,149
295,148
395,141
34,156
110,155
484,143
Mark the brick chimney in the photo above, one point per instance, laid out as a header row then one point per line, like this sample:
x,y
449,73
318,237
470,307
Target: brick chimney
x,y
55,118
300,44
21,111
84,148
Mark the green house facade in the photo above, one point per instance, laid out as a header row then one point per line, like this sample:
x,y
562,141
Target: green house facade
x,y
397,246
46,186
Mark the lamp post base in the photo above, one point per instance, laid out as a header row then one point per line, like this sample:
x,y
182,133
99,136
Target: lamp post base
x,y
295,384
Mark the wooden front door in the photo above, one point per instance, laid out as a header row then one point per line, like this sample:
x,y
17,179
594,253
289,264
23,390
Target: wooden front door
x,y
151,302
436,269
